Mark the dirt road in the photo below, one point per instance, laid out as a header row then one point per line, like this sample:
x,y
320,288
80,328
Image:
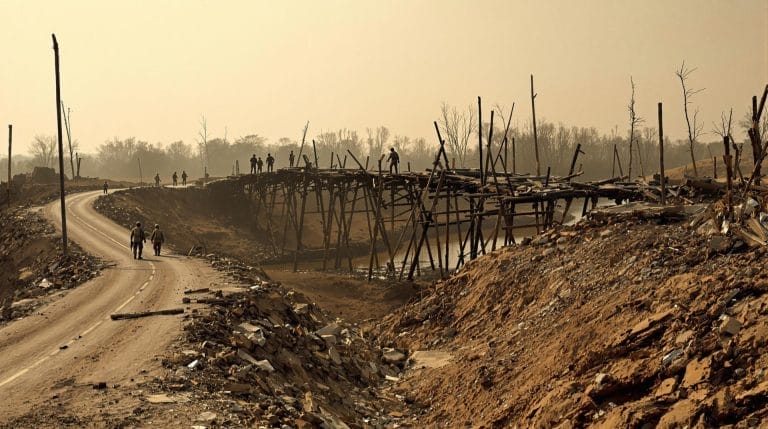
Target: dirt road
x,y
50,360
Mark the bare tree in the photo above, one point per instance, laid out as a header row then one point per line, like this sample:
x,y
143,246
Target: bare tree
x,y
202,143
694,130
377,139
634,121
72,147
457,128
43,150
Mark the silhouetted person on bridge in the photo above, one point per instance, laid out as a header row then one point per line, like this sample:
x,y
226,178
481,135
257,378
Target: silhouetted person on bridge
x,y
259,164
183,178
394,161
175,179
291,158
138,238
270,162
157,238
253,164
157,180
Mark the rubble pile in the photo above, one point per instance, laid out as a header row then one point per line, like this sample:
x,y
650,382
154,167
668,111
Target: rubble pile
x,y
638,323
32,264
268,357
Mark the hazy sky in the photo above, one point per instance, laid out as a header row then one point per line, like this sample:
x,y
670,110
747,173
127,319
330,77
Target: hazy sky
x,y
150,69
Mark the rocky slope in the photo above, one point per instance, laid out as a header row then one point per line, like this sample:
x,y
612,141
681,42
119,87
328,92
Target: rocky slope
x,y
634,324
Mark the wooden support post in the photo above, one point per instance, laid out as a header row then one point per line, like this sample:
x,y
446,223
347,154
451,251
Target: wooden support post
x,y
447,228
10,153
514,161
570,173
661,157
314,150
480,139
328,225
61,146
300,228
729,177
714,167
617,157
535,133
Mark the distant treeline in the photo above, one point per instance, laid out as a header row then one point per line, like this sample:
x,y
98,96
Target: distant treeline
x,y
123,157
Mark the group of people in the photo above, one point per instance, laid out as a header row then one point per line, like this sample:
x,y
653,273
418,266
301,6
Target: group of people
x,y
257,164
139,237
175,178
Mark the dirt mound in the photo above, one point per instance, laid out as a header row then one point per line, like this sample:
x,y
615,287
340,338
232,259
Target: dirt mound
x,y
635,324
191,219
32,265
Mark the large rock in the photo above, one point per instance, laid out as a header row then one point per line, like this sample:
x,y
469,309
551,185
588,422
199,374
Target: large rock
x,y
330,329
393,356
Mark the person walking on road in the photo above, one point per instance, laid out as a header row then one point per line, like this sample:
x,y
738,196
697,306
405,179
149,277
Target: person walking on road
x,y
291,158
394,160
270,162
106,187
183,178
138,238
175,179
157,238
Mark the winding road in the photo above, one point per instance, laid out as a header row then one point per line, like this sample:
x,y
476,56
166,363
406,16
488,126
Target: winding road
x,y
57,353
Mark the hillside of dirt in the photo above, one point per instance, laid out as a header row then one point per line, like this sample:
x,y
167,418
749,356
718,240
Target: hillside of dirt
x,y
637,324
190,218
199,220
193,220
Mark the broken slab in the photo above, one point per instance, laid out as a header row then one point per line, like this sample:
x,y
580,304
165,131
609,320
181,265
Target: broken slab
x,y
330,329
263,365
729,326
430,358
697,371
393,356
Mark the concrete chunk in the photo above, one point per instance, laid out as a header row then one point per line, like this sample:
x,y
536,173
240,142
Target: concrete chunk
x,y
330,329
730,326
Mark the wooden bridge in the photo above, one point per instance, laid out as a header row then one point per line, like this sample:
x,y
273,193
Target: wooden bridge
x,y
409,215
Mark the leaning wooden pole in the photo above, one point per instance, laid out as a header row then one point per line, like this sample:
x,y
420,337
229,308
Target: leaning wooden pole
x,y
480,138
729,177
662,179
61,145
10,145
535,133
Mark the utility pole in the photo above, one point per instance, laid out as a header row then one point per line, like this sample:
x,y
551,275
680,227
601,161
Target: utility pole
x,y
10,144
61,146
661,158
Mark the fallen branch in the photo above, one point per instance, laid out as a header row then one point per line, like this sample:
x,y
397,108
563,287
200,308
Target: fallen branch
x,y
121,316
189,291
214,301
